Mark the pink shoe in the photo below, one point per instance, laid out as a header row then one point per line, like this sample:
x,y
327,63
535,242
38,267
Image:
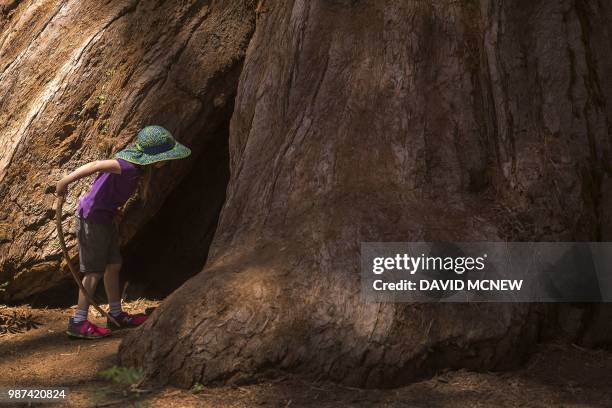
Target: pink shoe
x,y
126,320
86,330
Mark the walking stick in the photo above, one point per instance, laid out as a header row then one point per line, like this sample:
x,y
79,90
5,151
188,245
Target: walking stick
x,y
75,275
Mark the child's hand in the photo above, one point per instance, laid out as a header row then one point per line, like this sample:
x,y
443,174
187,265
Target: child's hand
x,y
61,188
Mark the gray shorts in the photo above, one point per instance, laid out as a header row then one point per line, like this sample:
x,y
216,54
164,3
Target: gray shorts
x,y
98,245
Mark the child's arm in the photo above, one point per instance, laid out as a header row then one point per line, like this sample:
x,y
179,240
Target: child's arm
x,y
109,166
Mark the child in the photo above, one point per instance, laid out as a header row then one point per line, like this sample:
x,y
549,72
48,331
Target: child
x,y
98,234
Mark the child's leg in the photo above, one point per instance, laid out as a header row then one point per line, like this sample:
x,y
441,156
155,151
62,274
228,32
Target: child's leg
x,y
90,282
79,326
113,291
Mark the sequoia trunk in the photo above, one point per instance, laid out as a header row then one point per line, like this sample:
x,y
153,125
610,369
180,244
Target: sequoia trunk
x,y
354,120
78,79
390,121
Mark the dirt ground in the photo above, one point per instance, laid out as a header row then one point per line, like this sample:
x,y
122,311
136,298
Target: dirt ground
x,y
558,375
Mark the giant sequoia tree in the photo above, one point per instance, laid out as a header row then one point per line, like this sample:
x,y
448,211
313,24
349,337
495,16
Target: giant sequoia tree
x,y
353,121
380,121
77,81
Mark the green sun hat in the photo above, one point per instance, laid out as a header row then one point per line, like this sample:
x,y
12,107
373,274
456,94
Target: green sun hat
x,y
154,144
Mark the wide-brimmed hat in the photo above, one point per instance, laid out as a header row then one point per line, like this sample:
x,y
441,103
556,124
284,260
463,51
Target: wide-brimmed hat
x,y
154,144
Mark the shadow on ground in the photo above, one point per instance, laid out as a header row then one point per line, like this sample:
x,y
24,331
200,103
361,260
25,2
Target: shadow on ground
x,y
557,375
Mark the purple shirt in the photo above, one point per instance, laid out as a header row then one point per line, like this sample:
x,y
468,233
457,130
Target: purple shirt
x,y
109,192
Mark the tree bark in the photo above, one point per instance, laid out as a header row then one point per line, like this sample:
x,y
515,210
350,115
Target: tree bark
x,y
389,121
355,120
77,81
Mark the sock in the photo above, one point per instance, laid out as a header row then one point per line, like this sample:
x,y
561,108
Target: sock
x,y
80,315
115,308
